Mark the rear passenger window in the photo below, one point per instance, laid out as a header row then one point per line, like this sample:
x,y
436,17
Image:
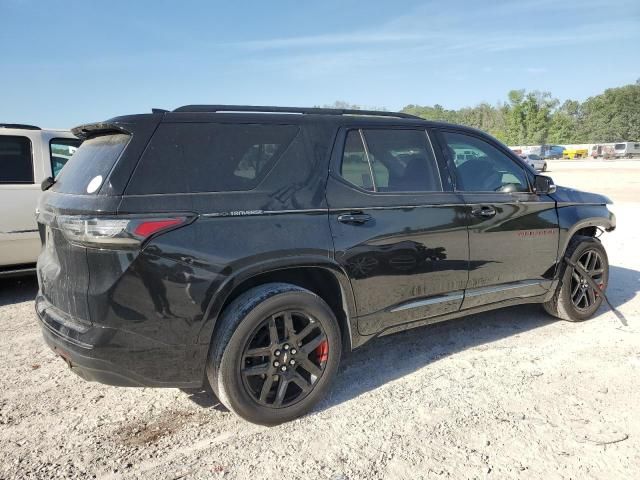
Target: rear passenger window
x,y
400,161
355,166
209,157
16,165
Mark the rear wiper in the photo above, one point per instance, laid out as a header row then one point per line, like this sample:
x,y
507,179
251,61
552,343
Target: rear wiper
x,y
47,183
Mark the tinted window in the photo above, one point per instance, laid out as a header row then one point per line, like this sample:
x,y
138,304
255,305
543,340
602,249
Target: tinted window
x,y
402,161
60,150
90,164
619,146
355,167
481,167
207,157
15,160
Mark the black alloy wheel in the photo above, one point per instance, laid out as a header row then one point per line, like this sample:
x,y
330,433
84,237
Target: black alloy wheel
x,y
574,299
584,296
284,358
275,353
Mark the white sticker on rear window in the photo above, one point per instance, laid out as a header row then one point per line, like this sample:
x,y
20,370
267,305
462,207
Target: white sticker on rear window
x,y
94,184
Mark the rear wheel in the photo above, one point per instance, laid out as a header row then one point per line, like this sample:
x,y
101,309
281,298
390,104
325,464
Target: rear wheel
x,y
275,353
575,300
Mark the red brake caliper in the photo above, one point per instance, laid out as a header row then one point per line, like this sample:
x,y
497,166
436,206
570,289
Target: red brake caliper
x,y
322,351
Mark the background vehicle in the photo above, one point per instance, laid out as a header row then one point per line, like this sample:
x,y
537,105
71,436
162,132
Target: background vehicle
x,y
551,151
255,244
543,151
28,155
535,162
572,153
627,149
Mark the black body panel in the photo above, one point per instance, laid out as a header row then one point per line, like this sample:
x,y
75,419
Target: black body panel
x,y
146,316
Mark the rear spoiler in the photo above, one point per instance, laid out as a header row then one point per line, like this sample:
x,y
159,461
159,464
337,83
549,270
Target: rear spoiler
x,y
91,129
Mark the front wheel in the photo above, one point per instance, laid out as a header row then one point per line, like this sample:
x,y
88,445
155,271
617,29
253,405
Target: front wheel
x,y
275,353
575,300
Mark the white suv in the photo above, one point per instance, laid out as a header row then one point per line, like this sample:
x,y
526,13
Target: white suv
x,y
28,155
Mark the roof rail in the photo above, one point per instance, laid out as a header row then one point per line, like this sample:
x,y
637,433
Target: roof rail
x,y
19,125
301,110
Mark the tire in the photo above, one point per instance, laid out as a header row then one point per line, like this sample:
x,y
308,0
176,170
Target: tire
x,y
563,303
245,328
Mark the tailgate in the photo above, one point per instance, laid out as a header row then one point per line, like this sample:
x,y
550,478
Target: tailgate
x,y
63,273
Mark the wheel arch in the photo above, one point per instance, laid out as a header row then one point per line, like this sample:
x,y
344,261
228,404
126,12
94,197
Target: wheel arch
x,y
321,276
587,226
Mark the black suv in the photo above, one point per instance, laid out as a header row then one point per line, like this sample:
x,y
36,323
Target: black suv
x,y
250,246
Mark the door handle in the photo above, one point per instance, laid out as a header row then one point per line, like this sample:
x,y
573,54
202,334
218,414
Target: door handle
x,y
354,218
483,212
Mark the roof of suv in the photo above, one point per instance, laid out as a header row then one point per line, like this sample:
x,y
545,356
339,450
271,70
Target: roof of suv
x,y
5,127
260,113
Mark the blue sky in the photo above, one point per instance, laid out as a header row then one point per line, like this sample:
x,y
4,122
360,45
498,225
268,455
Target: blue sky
x,y
67,62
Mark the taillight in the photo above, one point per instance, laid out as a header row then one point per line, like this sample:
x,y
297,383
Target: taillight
x,y
115,232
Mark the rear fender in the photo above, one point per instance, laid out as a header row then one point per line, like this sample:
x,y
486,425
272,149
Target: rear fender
x,y
223,292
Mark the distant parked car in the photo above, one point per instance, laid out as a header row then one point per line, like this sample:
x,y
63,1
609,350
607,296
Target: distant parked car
x,y
603,151
573,153
537,163
551,152
28,155
627,149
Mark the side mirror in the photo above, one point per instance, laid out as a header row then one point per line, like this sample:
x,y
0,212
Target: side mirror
x,y
543,185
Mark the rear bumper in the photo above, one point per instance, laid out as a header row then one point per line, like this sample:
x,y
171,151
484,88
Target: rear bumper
x,y
117,357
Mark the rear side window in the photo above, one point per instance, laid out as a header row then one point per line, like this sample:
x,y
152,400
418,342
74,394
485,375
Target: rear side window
x,y
391,160
16,165
90,165
355,166
402,161
209,157
60,151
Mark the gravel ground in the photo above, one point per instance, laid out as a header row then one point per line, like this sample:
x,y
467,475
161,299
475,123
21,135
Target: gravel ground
x,y
505,394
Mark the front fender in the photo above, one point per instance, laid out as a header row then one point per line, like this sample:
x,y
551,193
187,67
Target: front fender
x,y
572,218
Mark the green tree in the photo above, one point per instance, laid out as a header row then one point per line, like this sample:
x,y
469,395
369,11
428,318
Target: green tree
x,y
534,118
528,117
565,122
612,116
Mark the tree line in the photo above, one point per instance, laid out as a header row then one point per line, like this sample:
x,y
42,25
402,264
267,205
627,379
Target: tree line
x,y
536,118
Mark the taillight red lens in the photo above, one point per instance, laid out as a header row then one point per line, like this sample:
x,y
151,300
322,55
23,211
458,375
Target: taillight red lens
x,y
120,232
148,228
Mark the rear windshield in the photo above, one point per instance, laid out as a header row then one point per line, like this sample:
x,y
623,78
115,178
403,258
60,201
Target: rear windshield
x,y
209,157
620,146
90,164
61,150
